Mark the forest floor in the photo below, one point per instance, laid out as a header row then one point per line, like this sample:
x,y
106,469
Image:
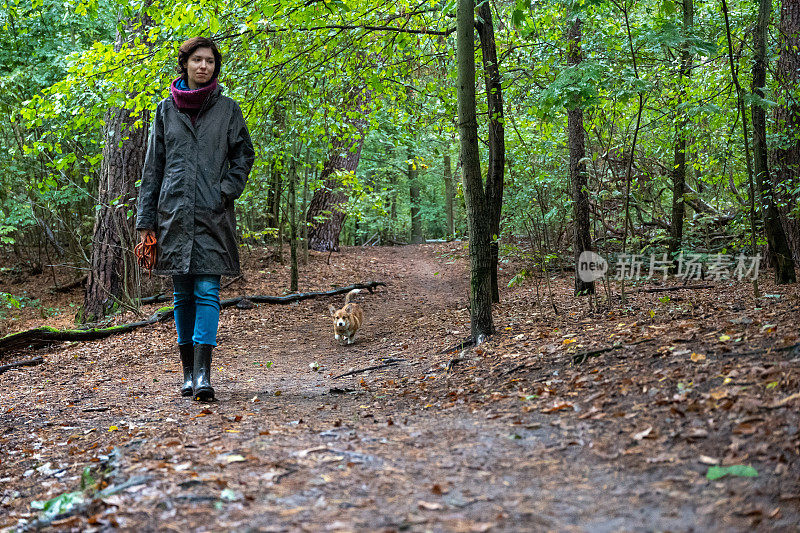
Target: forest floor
x,y
528,432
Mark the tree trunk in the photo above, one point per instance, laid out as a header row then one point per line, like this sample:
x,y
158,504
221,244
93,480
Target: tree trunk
x,y
745,134
325,213
577,168
497,150
111,277
478,218
413,193
294,277
304,231
276,170
777,247
679,157
449,196
274,194
785,158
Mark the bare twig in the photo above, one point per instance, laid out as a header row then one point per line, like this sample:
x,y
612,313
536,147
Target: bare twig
x,y
388,363
31,362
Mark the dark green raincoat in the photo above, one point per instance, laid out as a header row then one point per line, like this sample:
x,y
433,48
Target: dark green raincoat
x,y
192,174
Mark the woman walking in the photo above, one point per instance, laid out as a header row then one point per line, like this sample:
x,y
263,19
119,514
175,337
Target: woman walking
x,y
198,159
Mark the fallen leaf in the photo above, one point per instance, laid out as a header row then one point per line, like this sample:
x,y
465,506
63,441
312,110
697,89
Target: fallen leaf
x,y
697,357
558,406
430,506
786,400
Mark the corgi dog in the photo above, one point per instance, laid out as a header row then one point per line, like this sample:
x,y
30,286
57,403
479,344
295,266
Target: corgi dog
x,y
347,320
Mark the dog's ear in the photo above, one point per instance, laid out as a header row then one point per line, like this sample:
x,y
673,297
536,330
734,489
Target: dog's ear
x,y
332,309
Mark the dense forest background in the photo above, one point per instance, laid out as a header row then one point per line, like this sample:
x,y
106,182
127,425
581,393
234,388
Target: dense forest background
x,y
644,127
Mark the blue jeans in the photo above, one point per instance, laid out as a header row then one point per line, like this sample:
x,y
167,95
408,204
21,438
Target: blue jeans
x,y
196,308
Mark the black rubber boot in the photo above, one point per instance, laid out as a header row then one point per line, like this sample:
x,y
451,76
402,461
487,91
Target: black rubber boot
x,y
187,360
203,391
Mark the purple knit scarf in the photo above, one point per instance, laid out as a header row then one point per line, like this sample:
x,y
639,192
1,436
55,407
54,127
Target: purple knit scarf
x,y
189,101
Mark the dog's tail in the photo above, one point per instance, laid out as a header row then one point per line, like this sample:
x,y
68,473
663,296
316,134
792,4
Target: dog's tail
x,y
349,295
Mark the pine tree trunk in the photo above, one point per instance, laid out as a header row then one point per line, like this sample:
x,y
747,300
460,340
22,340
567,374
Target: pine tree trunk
x,y
777,247
112,270
577,168
785,158
478,218
497,150
679,157
325,213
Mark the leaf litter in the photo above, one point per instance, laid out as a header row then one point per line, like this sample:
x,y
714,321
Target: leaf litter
x,y
596,418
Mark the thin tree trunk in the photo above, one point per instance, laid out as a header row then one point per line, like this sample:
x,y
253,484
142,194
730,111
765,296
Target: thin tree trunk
x,y
679,158
582,241
449,195
629,167
745,136
414,197
293,225
304,232
497,151
478,218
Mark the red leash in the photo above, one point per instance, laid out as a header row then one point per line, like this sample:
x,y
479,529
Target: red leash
x,y
145,253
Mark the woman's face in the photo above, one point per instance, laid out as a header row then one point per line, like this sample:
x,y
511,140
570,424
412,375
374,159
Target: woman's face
x,y
200,67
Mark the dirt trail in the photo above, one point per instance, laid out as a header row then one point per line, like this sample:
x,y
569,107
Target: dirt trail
x,y
288,448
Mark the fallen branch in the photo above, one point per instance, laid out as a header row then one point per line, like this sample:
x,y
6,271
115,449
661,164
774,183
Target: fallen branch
x,y
297,297
74,285
511,371
463,345
579,358
31,362
156,299
232,281
789,348
676,288
388,363
45,336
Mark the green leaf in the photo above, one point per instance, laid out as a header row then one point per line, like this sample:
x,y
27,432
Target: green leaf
x,y
58,505
717,472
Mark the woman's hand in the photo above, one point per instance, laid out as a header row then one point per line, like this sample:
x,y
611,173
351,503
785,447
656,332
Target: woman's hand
x,y
145,233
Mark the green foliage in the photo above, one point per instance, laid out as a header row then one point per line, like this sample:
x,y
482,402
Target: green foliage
x,y
61,504
297,68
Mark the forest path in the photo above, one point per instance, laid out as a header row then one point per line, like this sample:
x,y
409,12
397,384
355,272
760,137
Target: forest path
x,y
288,448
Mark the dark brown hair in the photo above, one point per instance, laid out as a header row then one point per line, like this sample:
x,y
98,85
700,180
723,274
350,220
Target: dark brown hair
x,y
189,47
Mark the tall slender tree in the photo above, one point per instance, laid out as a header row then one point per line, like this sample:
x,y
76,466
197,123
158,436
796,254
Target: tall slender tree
x,y
478,216
582,240
777,247
497,148
414,197
678,171
449,195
